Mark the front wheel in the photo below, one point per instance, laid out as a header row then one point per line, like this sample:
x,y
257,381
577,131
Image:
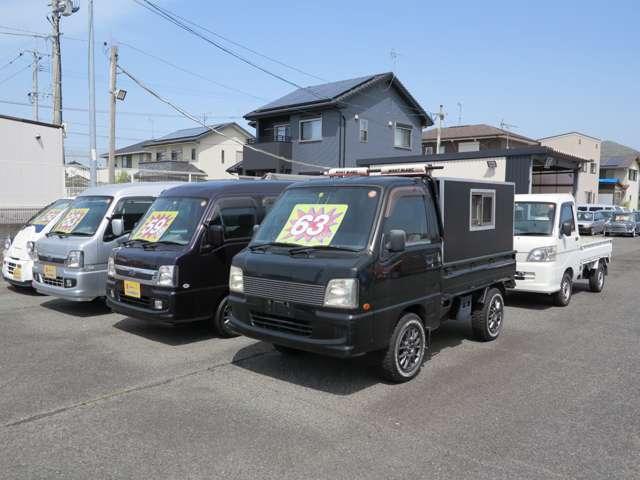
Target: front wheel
x,y
596,280
486,322
407,350
222,319
563,296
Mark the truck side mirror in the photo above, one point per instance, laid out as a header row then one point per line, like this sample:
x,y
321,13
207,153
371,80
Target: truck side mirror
x,y
215,235
397,240
566,228
117,227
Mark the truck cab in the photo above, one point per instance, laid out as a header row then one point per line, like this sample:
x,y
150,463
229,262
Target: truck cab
x,y
175,266
348,266
551,254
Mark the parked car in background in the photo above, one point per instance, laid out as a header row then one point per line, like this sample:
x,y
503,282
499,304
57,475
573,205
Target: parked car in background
x,y
591,223
71,260
551,255
622,223
594,207
175,266
17,259
637,214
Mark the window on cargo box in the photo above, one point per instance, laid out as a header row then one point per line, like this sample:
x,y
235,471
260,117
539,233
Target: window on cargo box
x,y
238,222
409,213
483,210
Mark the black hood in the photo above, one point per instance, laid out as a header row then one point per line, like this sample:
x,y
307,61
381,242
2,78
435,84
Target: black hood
x,y
149,259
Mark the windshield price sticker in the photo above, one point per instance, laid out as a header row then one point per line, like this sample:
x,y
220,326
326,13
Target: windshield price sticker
x,y
71,220
46,217
155,226
312,224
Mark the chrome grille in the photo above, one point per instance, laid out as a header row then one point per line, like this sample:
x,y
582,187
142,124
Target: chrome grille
x,y
281,324
50,259
54,282
304,293
11,267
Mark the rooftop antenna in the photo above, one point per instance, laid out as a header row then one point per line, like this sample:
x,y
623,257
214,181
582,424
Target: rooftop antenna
x,y
507,127
459,113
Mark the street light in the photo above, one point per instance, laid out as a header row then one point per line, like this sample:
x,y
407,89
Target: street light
x,y
121,94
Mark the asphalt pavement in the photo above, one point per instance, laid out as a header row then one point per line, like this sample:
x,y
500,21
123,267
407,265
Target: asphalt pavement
x,y
85,393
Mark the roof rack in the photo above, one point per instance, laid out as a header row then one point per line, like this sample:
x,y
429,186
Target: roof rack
x,y
398,170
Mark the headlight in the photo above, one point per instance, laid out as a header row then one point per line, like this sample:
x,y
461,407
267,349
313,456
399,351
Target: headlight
x,y
236,282
542,254
32,251
166,276
341,293
75,259
111,267
7,246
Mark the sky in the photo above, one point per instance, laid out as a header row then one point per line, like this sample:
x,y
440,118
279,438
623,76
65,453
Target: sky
x,y
545,67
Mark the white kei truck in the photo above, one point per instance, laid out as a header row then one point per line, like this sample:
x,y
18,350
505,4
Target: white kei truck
x,y
551,255
18,254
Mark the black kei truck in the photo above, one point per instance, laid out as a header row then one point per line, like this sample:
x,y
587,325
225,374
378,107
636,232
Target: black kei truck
x,y
374,263
175,266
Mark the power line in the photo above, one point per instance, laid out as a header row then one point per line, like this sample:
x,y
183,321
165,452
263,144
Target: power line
x,y
195,119
11,61
6,79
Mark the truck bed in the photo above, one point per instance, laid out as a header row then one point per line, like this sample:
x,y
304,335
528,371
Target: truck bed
x,y
594,249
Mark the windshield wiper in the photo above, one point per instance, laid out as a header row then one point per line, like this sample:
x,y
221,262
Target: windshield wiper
x,y
161,242
70,234
132,241
264,246
295,251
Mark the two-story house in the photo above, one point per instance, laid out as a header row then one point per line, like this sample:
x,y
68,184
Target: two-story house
x,y
205,150
334,124
619,183
582,146
472,138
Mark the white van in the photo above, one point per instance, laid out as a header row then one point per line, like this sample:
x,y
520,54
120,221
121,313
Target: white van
x,y
17,263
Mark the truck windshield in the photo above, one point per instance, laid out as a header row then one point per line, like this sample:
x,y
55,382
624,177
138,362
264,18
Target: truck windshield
x,y
585,216
624,217
534,218
170,220
316,217
83,216
48,213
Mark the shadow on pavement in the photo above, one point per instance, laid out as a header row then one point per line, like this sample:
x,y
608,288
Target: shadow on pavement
x,y
173,335
30,292
540,301
78,309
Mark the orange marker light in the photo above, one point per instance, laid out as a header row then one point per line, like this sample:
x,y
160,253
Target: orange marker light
x,y
366,307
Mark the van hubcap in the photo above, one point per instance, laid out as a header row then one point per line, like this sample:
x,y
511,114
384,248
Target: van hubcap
x,y
600,277
410,349
566,289
496,314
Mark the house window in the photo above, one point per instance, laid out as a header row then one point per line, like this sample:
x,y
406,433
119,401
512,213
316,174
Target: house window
x,y
127,161
585,167
364,130
193,154
311,130
428,150
159,156
402,137
174,155
281,133
633,175
592,168
468,146
483,210
442,149
222,157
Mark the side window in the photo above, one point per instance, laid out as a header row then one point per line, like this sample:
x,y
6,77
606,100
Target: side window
x,y
483,210
409,213
130,210
267,203
238,222
566,214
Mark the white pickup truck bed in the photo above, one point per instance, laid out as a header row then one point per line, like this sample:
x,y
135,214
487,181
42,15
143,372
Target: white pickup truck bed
x,y
592,250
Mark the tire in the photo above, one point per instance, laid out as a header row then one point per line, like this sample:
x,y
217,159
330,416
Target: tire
x,y
633,234
407,351
596,281
487,321
286,350
563,296
221,320
606,234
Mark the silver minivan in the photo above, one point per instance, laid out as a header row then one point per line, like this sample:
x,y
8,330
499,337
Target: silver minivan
x,y
71,261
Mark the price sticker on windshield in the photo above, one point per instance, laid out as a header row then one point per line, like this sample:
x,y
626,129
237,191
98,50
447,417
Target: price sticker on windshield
x,y
46,217
312,224
71,220
155,226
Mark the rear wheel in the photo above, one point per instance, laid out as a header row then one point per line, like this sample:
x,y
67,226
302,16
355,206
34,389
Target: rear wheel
x,y
222,319
563,296
487,321
407,350
596,280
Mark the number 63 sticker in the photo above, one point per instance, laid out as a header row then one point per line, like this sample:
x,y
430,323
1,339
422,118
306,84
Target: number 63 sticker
x,y
312,224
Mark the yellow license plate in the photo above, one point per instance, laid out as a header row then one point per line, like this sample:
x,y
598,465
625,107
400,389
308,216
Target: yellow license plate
x,y
17,273
50,271
131,289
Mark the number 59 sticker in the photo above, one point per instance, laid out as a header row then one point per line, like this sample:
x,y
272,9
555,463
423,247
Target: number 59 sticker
x,y
312,224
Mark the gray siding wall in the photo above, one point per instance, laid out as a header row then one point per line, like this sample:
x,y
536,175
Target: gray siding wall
x,y
518,170
323,152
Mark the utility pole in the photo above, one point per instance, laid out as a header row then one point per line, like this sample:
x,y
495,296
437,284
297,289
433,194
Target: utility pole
x,y
93,156
56,64
113,63
34,95
439,128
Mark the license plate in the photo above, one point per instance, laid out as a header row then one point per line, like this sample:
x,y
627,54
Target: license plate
x,y
50,271
131,289
17,273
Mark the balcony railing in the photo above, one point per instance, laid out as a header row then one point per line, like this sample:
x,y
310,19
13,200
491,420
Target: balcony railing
x,y
268,139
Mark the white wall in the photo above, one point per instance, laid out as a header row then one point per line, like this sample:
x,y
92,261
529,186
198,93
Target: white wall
x,y
476,169
32,169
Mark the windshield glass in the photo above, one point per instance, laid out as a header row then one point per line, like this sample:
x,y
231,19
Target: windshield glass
x,y
534,218
585,216
321,216
83,216
606,214
623,217
171,220
48,213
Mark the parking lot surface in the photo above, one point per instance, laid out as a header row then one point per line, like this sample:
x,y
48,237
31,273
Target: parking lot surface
x,y
85,393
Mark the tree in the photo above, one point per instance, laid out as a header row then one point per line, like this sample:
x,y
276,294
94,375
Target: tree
x,y
123,177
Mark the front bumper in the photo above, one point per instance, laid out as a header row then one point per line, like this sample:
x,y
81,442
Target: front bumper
x,y
78,285
17,272
537,277
329,332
